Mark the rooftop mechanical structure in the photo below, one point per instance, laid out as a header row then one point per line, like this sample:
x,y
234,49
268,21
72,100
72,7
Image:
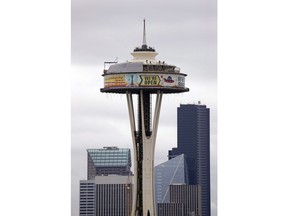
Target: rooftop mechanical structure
x,y
144,76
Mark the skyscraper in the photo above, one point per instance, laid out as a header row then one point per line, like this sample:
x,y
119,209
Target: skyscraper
x,y
170,172
193,130
107,161
108,190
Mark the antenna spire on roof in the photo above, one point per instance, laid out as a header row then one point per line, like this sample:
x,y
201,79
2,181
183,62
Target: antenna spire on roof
x,y
144,34
144,47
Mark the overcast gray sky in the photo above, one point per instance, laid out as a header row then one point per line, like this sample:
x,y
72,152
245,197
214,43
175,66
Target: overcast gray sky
x,y
251,103
183,32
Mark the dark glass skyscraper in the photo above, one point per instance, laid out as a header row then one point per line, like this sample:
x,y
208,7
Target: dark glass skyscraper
x,y
193,130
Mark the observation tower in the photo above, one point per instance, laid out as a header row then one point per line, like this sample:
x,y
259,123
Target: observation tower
x,y
143,76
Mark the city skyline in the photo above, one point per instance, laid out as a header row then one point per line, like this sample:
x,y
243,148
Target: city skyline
x,y
36,98
188,41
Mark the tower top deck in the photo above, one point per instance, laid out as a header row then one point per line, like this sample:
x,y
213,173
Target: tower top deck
x,y
143,72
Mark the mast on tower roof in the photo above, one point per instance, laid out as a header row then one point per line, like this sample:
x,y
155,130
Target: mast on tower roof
x,y
144,47
144,34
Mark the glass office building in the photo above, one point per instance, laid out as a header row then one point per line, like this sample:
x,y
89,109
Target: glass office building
x,y
193,137
108,188
107,161
167,173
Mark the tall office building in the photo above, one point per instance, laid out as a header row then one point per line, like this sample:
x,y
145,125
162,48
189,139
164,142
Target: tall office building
x,y
108,190
193,127
107,161
170,172
106,196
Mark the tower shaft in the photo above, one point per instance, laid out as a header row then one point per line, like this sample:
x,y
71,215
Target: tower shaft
x,y
144,147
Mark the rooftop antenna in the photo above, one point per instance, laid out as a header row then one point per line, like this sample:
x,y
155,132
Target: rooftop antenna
x,y
144,47
144,34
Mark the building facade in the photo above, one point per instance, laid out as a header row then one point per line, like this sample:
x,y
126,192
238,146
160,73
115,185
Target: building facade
x,y
170,209
106,196
193,136
108,161
170,172
87,198
189,195
184,200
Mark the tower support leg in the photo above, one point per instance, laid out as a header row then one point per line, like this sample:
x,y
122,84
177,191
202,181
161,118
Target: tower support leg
x,y
135,152
144,148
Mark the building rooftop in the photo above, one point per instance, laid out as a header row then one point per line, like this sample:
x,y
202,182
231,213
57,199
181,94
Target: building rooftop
x,y
110,156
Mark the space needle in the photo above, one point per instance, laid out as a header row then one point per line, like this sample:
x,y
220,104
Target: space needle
x,y
143,76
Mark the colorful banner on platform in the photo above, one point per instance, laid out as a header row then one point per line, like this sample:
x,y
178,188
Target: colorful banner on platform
x,y
144,80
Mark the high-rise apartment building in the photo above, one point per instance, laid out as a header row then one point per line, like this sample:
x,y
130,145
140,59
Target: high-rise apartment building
x,y
193,136
107,161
